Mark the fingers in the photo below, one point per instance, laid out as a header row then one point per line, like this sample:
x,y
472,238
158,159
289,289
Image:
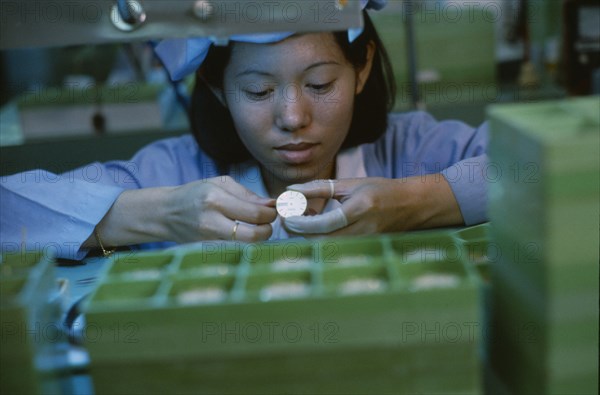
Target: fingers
x,y
230,185
241,231
318,224
350,230
316,189
238,209
335,222
248,233
238,203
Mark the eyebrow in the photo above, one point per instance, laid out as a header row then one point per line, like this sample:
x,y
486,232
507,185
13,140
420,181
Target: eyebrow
x,y
264,73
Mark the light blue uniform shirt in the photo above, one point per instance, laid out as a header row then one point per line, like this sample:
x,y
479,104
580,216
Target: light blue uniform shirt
x,y
42,210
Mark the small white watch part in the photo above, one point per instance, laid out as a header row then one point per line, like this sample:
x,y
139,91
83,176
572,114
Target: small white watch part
x,y
291,203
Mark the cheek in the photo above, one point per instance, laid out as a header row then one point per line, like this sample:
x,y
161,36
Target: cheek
x,y
335,110
250,123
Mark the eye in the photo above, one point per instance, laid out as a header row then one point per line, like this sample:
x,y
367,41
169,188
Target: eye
x,y
256,91
321,88
258,95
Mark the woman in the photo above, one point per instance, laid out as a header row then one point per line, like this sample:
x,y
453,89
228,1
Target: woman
x,y
269,113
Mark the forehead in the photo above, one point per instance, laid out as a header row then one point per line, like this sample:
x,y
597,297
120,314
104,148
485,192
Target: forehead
x,y
295,52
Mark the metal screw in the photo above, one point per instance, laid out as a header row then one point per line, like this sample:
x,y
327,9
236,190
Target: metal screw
x,y
203,9
137,14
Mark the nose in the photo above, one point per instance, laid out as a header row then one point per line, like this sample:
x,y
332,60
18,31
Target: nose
x,y
293,112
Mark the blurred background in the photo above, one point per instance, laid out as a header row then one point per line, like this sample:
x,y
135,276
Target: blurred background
x,y
451,58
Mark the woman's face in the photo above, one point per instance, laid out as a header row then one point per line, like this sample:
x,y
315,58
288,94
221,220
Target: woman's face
x,y
291,104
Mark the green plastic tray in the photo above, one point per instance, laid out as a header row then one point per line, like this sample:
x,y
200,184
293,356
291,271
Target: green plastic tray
x,y
543,204
296,316
29,322
544,189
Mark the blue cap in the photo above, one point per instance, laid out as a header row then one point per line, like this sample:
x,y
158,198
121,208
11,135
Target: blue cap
x,y
183,56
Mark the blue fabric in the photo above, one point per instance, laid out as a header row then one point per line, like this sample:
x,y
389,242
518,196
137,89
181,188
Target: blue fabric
x,y
46,210
183,57
417,144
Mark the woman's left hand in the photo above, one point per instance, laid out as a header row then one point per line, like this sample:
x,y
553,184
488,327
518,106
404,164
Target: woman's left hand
x,y
378,205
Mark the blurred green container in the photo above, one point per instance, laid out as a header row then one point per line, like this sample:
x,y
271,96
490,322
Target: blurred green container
x,y
544,208
544,174
29,322
350,315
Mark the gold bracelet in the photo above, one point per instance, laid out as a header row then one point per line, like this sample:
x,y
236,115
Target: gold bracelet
x,y
105,252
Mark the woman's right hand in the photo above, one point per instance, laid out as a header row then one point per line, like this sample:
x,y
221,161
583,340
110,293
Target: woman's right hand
x,y
201,210
208,209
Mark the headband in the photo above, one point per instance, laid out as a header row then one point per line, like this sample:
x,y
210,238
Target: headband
x,y
183,56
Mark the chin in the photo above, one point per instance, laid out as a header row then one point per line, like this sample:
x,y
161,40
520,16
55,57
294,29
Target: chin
x,y
303,172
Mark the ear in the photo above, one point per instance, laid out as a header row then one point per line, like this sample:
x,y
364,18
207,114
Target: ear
x,y
363,75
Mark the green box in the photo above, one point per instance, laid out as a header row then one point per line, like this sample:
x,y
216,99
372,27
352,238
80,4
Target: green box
x,y
30,323
545,184
541,340
290,317
528,261
544,208
274,257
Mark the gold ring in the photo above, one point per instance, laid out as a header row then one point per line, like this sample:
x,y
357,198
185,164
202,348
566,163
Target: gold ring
x,y
235,228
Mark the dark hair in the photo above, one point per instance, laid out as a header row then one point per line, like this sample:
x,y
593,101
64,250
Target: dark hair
x,y
213,127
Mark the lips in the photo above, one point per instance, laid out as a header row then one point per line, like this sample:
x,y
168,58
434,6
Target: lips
x,y
296,153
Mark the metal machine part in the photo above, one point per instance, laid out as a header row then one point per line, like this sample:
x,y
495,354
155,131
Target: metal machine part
x,y
34,23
